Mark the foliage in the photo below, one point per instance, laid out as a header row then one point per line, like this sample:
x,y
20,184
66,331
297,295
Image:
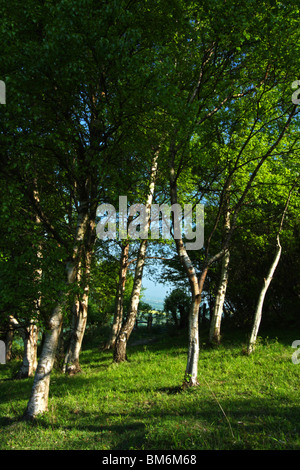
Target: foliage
x,y
94,90
177,305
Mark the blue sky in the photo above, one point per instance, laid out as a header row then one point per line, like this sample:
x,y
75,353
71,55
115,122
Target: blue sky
x,y
155,291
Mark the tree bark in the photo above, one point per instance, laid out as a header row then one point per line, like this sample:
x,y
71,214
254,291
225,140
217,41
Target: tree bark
x,y
80,306
122,339
118,315
261,298
12,324
30,333
38,402
79,318
267,282
191,371
30,340
215,326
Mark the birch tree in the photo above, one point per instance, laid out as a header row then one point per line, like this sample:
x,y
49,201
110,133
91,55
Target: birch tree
x,y
215,325
267,282
126,329
38,402
230,98
119,302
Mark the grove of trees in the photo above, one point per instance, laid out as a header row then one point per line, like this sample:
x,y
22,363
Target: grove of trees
x,y
181,102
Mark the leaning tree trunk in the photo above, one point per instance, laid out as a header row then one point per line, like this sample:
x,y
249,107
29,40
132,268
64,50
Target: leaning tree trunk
x,y
118,315
38,402
122,339
191,371
30,340
215,325
267,282
30,333
125,332
261,298
80,306
12,325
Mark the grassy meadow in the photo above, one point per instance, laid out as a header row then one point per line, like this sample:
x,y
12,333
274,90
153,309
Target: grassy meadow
x,y
241,402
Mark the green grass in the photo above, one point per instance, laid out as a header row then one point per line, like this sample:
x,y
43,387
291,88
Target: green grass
x,y
241,403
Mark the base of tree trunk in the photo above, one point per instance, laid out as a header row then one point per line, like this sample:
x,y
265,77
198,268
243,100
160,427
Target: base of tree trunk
x,y
24,375
107,346
188,383
120,358
120,352
73,369
215,340
250,349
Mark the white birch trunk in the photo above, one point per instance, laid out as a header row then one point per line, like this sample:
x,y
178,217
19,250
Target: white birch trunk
x,y
80,306
191,371
30,340
118,315
12,325
261,298
38,402
267,280
121,341
215,326
30,333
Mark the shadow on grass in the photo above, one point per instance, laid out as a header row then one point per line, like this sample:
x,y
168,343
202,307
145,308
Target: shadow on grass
x,y
201,425
186,419
161,416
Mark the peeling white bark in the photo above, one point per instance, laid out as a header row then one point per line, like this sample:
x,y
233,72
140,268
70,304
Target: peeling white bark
x,y
30,332
30,340
261,298
118,315
84,251
215,326
267,280
121,341
13,323
38,402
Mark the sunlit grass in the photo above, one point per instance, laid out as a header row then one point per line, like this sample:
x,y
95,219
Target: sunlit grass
x,y
241,402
